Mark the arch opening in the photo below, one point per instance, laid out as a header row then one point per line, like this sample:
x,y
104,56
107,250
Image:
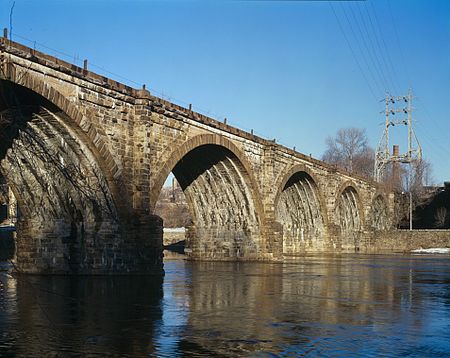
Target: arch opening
x,y
348,218
66,205
8,215
299,211
224,223
173,209
379,217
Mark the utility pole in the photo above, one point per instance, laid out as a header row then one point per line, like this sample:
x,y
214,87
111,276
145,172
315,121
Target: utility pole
x,y
398,105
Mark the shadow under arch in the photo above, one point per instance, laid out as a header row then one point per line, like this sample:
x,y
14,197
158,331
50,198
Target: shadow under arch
x,y
61,180
222,194
197,141
84,128
379,215
300,209
349,215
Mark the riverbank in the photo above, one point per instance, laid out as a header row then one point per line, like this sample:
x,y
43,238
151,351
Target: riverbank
x,y
393,241
408,240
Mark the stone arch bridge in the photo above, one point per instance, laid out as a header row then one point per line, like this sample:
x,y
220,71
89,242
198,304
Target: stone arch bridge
x,y
86,158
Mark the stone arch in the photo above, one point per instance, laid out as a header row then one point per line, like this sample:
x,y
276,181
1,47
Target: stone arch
x,y
349,215
379,215
165,166
61,182
284,178
300,209
222,195
87,131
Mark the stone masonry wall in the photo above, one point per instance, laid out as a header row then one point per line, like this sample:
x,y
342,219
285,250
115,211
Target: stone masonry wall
x,y
137,139
100,114
406,240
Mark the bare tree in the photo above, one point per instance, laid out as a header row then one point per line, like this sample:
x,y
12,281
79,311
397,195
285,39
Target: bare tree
x,y
422,173
440,217
350,151
172,207
420,182
414,182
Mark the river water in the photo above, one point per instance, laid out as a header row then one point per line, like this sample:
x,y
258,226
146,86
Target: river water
x,y
315,306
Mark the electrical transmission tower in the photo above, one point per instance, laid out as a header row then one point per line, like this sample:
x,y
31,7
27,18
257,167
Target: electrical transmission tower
x,y
383,156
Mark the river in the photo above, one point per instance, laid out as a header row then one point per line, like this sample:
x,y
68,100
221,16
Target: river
x,y
315,306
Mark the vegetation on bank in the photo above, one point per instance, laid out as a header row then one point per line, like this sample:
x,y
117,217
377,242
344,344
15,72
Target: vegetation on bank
x,y
349,150
172,207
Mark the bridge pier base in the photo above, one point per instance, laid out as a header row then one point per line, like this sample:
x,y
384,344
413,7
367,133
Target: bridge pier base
x,y
274,240
225,244
145,246
61,247
221,243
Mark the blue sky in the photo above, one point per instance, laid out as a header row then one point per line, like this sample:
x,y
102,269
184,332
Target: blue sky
x,y
292,70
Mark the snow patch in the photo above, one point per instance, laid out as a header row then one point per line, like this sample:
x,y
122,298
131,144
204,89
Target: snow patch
x,y
435,250
174,229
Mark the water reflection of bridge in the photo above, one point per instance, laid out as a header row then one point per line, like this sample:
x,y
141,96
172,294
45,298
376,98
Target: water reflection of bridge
x,y
315,304
321,305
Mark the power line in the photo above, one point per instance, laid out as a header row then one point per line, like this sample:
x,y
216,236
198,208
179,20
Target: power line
x,y
431,118
385,53
388,52
374,78
434,143
399,45
377,49
370,49
353,53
